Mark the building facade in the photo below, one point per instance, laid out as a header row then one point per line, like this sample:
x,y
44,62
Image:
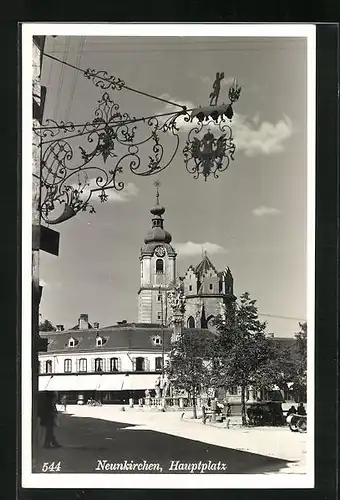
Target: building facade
x,y
115,363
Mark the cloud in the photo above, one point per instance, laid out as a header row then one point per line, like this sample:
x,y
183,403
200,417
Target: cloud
x,y
260,137
129,191
261,211
191,249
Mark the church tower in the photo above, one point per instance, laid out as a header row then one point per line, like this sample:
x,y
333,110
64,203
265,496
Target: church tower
x,y
157,269
205,289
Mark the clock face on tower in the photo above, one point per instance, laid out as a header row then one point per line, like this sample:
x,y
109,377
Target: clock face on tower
x,y
160,251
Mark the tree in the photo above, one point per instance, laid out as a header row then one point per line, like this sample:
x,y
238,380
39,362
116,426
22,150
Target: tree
x,y
188,365
299,354
46,326
288,365
242,349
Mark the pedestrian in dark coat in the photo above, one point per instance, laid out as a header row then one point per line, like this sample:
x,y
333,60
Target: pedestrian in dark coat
x,y
47,412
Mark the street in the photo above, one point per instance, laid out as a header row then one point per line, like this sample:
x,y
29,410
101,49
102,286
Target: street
x,y
91,444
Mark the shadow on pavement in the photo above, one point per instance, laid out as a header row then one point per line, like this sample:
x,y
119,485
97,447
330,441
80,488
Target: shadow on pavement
x,y
86,440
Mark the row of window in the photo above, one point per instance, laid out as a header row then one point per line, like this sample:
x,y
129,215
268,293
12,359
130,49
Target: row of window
x,y
211,287
99,365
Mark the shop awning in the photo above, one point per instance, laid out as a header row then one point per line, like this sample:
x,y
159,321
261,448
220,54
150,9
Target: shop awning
x,y
43,382
71,383
112,382
139,382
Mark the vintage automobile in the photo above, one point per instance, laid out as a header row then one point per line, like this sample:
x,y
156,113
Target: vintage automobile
x,y
297,423
265,413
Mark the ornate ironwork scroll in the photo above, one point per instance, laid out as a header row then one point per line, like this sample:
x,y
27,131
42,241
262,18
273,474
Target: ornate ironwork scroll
x,y
69,176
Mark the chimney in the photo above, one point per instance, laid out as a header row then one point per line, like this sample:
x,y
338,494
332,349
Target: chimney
x,y
59,328
95,325
84,322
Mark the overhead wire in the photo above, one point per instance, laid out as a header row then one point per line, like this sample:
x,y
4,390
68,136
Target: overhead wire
x,y
75,78
125,87
61,78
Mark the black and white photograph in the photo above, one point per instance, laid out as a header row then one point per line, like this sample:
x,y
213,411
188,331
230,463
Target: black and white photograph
x,y
168,230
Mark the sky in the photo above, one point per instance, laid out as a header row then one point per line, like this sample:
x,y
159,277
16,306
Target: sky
x,y
253,218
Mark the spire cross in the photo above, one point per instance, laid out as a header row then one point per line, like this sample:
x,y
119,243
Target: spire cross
x,y
157,184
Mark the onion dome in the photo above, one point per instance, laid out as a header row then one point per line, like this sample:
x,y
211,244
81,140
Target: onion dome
x,y
157,234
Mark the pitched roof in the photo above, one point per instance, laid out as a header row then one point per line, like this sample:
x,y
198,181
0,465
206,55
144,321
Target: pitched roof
x,y
204,266
130,337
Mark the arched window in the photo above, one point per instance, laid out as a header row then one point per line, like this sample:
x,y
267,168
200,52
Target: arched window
x,y
158,363
191,322
98,365
114,365
140,364
83,365
48,366
68,365
159,266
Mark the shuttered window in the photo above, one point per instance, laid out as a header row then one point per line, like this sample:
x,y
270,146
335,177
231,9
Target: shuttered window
x,y
114,365
48,366
99,365
140,365
68,365
158,364
83,365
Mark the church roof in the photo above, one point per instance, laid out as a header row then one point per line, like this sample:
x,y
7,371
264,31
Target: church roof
x,y
204,266
128,337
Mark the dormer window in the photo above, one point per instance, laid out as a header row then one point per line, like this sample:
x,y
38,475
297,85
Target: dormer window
x,y
99,342
71,342
157,340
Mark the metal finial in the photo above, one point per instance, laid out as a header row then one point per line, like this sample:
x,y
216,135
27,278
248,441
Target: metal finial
x,y
157,184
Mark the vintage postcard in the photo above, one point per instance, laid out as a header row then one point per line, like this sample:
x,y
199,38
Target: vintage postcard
x,y
168,204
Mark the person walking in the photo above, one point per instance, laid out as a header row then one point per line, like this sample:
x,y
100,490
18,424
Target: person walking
x,y
64,401
47,412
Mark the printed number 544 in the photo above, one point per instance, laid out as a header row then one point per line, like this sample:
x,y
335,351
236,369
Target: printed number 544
x,y
51,467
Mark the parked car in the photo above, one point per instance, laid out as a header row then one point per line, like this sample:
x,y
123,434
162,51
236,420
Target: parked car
x,y
265,413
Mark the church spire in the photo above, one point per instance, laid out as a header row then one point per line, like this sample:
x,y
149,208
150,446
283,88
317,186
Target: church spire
x,y
157,233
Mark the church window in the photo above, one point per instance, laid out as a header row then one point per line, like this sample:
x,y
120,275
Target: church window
x,y
191,322
210,286
83,365
140,364
190,288
68,365
158,364
159,315
98,365
158,297
159,266
48,366
114,365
